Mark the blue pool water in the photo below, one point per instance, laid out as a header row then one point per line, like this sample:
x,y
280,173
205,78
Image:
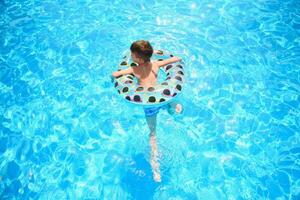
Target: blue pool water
x,y
66,134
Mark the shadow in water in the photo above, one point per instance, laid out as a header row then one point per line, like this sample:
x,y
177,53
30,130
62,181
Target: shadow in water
x,y
138,179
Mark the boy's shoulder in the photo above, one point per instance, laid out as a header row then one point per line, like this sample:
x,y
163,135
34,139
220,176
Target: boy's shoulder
x,y
155,63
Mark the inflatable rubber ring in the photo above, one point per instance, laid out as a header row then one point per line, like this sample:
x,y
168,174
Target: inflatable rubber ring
x,y
162,93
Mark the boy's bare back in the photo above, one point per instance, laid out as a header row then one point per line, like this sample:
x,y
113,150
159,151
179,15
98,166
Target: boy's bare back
x,y
147,74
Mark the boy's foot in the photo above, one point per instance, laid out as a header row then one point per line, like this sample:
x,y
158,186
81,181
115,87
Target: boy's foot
x,y
175,108
178,108
156,177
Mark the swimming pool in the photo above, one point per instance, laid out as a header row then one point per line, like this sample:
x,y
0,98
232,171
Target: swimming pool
x,y
66,134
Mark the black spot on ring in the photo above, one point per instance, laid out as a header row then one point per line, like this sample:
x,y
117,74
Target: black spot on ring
x,y
164,83
137,98
160,52
123,63
160,59
125,89
178,87
171,55
180,72
116,84
169,67
166,92
178,78
168,78
162,100
128,98
128,82
151,89
133,64
179,66
139,89
130,77
152,99
174,94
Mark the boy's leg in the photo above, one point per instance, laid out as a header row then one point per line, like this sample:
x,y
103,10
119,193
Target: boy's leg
x,y
151,121
154,159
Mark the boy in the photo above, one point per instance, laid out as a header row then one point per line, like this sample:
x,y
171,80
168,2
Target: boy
x,y
146,73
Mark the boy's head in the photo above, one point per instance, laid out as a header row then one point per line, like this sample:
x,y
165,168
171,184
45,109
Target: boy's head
x,y
141,51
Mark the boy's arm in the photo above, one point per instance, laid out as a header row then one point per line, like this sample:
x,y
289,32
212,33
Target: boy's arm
x,y
122,72
167,61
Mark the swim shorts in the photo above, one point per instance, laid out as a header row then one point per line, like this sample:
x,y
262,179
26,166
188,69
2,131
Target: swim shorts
x,y
150,111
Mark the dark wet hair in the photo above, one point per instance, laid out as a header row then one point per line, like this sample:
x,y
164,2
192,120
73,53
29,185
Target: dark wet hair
x,y
142,49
